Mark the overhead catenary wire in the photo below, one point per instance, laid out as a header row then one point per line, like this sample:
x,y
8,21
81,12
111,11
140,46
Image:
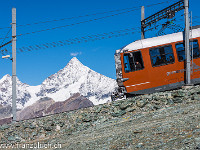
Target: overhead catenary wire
x,y
85,39
5,51
86,15
90,19
68,25
5,38
82,39
75,17
90,37
61,19
174,28
86,20
76,40
74,23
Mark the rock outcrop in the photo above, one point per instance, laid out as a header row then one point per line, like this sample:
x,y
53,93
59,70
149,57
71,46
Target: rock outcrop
x,y
77,101
46,106
35,110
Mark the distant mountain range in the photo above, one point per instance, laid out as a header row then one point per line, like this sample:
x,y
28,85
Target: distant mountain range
x,y
73,78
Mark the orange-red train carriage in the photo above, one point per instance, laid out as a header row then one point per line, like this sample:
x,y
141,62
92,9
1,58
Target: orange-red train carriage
x,y
156,64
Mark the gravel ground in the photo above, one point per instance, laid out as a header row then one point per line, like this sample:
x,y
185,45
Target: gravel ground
x,y
167,120
170,128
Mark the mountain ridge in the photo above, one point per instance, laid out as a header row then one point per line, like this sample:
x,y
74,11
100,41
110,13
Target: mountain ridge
x,y
73,78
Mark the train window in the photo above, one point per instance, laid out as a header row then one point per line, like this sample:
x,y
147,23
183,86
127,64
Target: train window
x,y
133,61
180,48
127,63
161,55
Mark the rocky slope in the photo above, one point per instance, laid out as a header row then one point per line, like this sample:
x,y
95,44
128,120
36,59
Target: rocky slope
x,y
35,110
166,120
46,106
73,78
76,101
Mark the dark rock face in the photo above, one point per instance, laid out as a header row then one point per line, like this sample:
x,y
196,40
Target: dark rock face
x,y
35,110
5,112
75,102
5,121
46,106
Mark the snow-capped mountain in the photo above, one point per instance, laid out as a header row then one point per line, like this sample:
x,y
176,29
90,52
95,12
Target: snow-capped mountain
x,y
77,78
73,78
6,92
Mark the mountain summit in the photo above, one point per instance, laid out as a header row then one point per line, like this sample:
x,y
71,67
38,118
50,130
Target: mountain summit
x,y
73,78
77,78
74,61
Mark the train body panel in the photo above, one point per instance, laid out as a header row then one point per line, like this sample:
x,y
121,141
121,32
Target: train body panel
x,y
157,64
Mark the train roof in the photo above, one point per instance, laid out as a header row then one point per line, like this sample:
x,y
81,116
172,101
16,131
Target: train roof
x,y
160,40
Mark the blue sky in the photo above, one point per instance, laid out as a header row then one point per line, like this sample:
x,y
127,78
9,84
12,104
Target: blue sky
x,y
33,67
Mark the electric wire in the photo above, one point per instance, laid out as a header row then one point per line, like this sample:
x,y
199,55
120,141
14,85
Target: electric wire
x,y
136,8
89,20
87,38
2,45
5,37
76,40
87,15
74,23
84,21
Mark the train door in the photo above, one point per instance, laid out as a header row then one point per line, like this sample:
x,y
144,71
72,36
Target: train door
x,y
134,71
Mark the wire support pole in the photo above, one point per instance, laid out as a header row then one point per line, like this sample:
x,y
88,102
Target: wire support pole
x,y
14,64
187,49
142,18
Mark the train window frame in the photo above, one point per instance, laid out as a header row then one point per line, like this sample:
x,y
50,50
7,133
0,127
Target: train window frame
x,y
193,40
141,62
163,64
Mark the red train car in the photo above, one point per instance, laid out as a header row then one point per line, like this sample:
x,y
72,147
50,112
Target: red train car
x,y
156,64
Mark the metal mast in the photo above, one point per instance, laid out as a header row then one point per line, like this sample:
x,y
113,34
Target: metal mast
x,y
187,49
14,64
142,18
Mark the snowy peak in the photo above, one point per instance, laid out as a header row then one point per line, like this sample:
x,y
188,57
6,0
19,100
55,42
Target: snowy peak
x,y
74,61
6,78
73,78
6,91
77,78
5,82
